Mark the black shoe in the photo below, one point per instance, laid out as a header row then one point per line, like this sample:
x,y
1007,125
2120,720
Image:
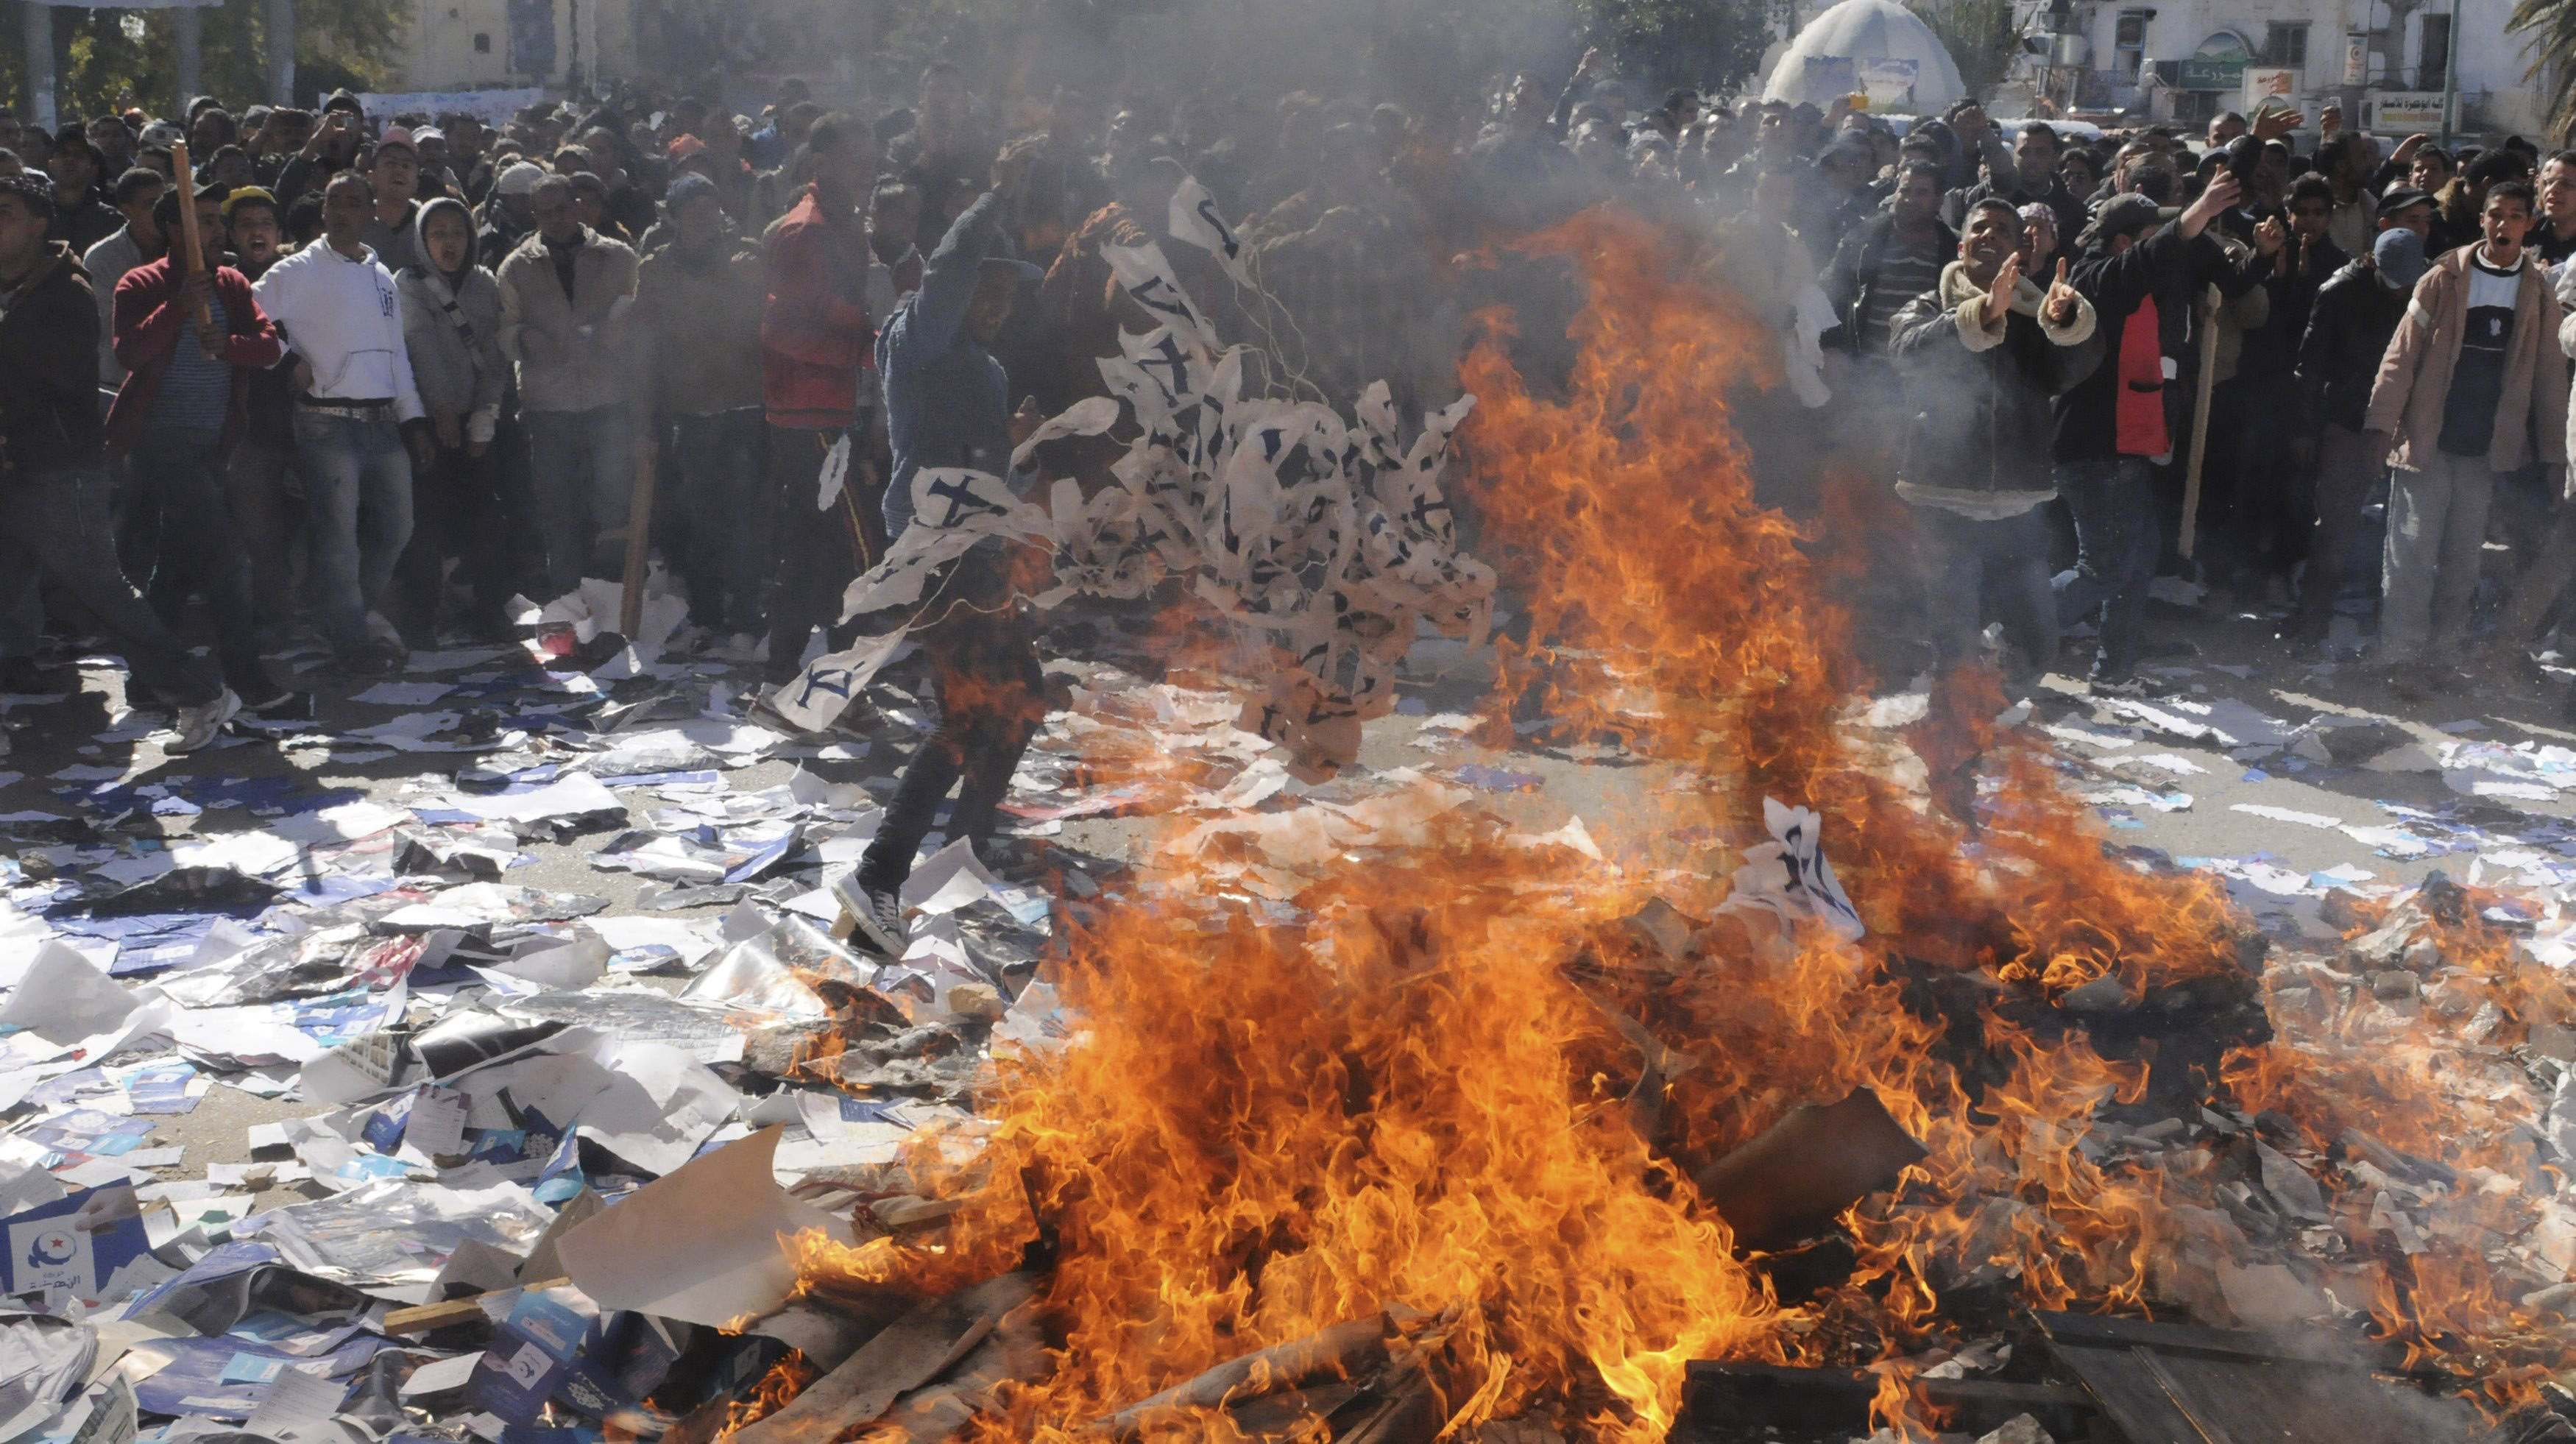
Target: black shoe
x,y
876,916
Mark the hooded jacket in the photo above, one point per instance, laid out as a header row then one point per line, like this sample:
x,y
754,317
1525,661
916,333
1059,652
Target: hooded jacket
x,y
453,332
2414,381
49,369
571,349
2176,272
1977,396
2348,329
151,326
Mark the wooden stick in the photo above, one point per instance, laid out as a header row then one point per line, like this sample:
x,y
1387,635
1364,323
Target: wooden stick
x,y
911,1352
2199,429
193,248
639,541
1342,1351
423,1318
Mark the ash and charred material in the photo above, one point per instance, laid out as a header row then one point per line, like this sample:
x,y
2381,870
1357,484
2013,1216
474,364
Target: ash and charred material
x,y
1768,1396
2165,1382
1793,1177
2181,1028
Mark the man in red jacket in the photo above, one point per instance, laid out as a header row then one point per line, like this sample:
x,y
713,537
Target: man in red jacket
x,y
815,341
189,337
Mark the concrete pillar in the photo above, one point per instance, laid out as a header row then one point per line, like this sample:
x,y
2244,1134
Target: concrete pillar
x,y
281,52
188,27
39,35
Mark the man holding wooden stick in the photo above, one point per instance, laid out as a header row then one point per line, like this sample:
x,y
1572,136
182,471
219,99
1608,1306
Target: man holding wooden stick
x,y
190,334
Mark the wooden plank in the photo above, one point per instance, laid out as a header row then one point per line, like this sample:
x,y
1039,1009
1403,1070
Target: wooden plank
x,y
2096,1331
2157,1396
2132,1398
2176,1394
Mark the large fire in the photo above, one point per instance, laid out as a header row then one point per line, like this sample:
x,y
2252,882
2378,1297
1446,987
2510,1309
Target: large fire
x,y
1420,1100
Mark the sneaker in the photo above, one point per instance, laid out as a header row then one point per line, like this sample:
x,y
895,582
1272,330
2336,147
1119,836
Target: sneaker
x,y
738,649
876,916
199,725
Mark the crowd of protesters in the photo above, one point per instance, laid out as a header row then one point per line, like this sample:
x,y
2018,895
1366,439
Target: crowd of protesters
x,y
420,361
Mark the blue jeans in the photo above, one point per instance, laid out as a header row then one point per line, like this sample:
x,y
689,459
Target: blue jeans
x,y
2113,500
723,546
1971,567
357,480
182,473
582,467
58,531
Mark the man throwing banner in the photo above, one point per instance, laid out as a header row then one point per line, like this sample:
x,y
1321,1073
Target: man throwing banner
x,y
948,405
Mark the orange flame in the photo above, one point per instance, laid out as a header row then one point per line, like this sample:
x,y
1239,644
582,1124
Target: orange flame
x,y
1415,1099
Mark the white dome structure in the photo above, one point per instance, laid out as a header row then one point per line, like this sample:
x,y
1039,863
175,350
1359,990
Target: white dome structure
x,y
1875,46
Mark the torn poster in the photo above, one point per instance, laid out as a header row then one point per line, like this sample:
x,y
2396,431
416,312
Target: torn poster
x,y
1789,876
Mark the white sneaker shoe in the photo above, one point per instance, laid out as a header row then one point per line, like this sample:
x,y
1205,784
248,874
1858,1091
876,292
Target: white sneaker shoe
x,y
199,725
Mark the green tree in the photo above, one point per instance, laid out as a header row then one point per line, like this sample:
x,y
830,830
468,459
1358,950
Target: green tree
x,y
1711,44
2550,27
1982,37
105,56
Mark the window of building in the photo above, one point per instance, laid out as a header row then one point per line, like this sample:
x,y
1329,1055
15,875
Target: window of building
x,y
2286,43
482,42
2433,55
2129,43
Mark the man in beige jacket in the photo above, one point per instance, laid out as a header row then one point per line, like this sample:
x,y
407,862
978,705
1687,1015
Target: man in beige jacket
x,y
2472,382
565,292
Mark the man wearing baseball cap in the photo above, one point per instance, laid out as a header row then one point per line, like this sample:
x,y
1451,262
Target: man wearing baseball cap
x,y
2113,425
2402,206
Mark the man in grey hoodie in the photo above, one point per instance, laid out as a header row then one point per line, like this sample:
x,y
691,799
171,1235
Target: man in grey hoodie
x,y
452,328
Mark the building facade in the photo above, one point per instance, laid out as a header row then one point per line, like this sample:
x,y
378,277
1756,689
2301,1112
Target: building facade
x,y
506,44
2388,63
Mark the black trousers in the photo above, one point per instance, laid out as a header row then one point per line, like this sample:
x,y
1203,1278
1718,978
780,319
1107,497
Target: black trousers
x,y
818,552
992,695
458,510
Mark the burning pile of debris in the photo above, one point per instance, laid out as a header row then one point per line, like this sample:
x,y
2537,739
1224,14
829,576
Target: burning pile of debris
x,y
1840,1082
1452,1131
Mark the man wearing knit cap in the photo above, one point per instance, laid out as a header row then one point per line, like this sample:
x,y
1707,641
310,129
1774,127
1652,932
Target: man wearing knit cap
x,y
510,215
2354,314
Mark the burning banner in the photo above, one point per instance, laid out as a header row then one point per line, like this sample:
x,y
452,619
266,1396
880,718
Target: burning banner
x,y
1328,535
